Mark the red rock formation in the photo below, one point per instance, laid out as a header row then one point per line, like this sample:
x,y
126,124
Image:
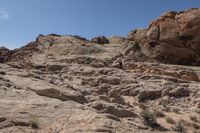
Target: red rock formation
x,y
172,38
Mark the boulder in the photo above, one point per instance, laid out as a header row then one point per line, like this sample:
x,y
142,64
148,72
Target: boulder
x,y
151,94
112,80
180,92
55,67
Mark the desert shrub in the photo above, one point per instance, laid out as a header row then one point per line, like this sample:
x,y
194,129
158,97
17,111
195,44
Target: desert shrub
x,y
142,106
170,120
34,121
195,126
158,113
194,118
149,119
166,108
180,127
70,78
176,110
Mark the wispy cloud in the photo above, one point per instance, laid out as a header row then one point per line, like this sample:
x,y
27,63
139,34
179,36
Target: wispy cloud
x,y
3,14
39,21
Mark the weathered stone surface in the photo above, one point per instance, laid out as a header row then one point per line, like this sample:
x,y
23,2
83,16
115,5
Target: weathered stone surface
x,y
53,68
66,84
110,80
116,40
117,64
53,93
112,109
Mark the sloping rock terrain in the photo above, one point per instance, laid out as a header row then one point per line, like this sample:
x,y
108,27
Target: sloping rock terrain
x,y
148,82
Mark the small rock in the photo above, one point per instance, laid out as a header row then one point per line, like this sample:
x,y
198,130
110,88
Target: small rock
x,y
111,80
113,109
97,64
2,73
179,92
117,64
117,99
53,68
20,123
102,89
2,119
151,94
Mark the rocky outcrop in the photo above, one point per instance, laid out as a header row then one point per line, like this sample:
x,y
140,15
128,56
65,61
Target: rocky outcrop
x,y
21,54
172,38
116,40
66,84
100,40
4,54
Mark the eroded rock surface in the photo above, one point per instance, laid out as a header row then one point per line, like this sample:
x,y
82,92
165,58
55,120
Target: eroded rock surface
x,y
66,84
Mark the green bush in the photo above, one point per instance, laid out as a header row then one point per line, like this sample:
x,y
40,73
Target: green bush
x,y
149,119
34,122
170,120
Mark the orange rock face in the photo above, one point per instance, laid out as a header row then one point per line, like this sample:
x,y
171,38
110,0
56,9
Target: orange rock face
x,y
172,38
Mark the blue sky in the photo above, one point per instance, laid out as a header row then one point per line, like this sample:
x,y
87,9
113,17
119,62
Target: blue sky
x,y
21,21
